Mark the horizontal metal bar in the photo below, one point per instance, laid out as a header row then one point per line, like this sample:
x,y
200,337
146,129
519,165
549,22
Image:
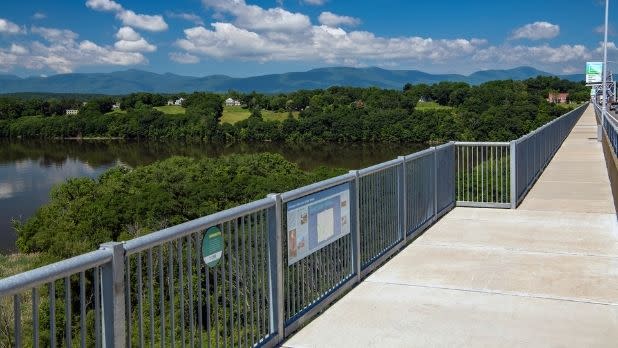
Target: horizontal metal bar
x,y
379,167
440,147
416,155
172,233
483,205
42,275
480,143
315,187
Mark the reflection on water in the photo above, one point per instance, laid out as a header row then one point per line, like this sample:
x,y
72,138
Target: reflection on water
x,y
29,169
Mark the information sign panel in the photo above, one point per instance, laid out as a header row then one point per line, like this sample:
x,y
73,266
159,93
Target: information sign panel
x,y
316,220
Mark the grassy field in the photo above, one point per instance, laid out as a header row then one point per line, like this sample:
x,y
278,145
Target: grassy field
x,y
424,106
116,112
233,114
171,109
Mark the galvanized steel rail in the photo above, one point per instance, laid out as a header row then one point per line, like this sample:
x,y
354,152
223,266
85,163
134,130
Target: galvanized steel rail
x,y
155,289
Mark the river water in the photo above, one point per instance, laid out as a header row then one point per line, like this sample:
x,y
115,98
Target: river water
x,y
30,168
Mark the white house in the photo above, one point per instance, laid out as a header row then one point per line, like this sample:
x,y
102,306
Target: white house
x,y
72,111
232,102
177,102
116,106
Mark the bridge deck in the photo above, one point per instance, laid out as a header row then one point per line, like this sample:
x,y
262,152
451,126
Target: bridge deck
x,y
545,274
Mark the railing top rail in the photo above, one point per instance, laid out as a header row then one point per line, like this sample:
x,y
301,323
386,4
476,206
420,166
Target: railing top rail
x,y
178,231
45,274
380,166
419,154
548,124
482,143
315,187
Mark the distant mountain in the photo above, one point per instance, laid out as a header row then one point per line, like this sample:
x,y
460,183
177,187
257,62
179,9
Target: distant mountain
x,y
128,81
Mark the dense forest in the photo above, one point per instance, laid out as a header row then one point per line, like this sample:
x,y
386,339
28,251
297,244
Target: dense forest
x,y
493,111
124,203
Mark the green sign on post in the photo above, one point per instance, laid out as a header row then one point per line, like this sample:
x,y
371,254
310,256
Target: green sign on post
x,y
594,72
212,246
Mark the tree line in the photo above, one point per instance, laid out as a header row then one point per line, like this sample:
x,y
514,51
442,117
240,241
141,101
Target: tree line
x,y
493,111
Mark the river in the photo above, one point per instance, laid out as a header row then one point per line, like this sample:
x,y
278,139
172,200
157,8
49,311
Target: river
x,y
30,168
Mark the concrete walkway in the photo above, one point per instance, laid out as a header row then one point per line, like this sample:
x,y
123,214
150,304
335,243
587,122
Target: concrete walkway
x,y
544,275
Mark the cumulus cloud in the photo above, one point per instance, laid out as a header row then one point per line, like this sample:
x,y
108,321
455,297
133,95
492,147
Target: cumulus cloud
x,y
332,20
128,17
184,58
62,52
253,17
611,46
523,55
333,45
130,41
536,31
314,2
8,27
104,5
39,15
190,17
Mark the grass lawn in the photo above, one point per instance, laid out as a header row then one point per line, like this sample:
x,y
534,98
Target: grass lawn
x,y
424,106
116,112
171,109
233,114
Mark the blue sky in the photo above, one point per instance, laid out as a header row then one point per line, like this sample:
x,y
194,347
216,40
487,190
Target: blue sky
x,y
251,37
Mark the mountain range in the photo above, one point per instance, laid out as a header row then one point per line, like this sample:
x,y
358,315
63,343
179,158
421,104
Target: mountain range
x,y
128,81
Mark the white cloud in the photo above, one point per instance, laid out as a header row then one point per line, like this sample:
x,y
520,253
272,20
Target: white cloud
x,y
611,46
146,22
55,35
333,45
536,31
314,2
184,58
8,27
130,41
39,15
191,17
128,17
253,17
332,20
104,5
524,55
63,53
18,49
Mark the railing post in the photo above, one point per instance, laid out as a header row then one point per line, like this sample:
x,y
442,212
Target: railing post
x,y
275,269
435,183
112,297
401,188
356,242
513,174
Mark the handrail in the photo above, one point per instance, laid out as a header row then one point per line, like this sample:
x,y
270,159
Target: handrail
x,y
45,274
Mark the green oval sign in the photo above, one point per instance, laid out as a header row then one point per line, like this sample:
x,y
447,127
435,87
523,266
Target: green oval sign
x,y
212,246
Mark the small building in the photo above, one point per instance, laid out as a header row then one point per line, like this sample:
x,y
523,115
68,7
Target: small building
x,y
232,102
179,101
170,102
116,106
558,98
71,111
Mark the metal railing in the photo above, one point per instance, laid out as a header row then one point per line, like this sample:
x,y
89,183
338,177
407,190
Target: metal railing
x,y
484,174
608,127
155,289
534,151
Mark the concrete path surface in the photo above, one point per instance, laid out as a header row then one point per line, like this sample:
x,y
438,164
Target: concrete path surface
x,y
544,275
